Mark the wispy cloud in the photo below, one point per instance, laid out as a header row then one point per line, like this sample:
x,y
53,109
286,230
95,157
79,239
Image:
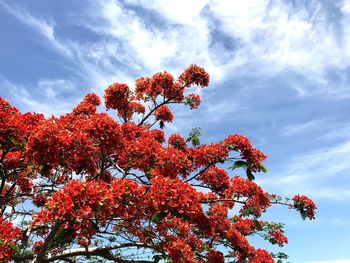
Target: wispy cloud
x,y
314,173
298,128
49,103
227,38
44,27
266,36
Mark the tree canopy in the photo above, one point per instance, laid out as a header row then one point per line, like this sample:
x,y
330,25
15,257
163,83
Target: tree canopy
x,y
89,186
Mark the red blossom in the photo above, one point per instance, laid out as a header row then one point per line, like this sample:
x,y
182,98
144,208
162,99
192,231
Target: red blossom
x,y
8,237
39,200
215,257
88,105
163,113
141,87
193,100
194,75
12,160
257,200
305,206
215,178
177,141
116,96
261,256
162,82
158,135
276,237
179,251
210,154
253,156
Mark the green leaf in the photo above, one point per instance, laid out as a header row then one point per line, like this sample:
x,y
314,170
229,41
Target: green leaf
x,y
239,164
157,217
250,175
263,169
15,249
157,258
161,124
193,137
195,141
231,147
45,169
247,211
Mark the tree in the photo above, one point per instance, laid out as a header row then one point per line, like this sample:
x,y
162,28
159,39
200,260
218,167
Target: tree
x,y
89,187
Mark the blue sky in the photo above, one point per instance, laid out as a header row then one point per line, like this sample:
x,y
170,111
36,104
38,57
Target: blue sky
x,y
280,74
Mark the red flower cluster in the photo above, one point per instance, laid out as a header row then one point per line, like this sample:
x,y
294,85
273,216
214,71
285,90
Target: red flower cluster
x,y
215,178
257,201
215,256
210,154
8,238
194,75
305,206
12,160
116,96
193,100
12,130
88,105
177,141
261,256
159,84
173,196
253,156
79,203
179,251
158,135
163,113
277,237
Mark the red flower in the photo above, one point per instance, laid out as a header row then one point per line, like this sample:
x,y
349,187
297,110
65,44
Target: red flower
x,y
116,96
158,135
261,256
215,256
37,246
88,105
163,113
193,100
253,156
177,141
8,237
12,160
194,75
215,178
305,206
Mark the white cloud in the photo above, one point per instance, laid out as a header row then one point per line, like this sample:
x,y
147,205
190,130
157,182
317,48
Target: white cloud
x,y
281,34
260,38
47,104
276,34
53,87
301,127
314,174
177,11
151,48
273,35
44,27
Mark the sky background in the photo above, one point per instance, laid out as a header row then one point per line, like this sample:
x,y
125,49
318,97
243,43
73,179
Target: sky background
x,y
280,74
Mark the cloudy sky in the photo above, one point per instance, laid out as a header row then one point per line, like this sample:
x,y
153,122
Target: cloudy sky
x,y
280,74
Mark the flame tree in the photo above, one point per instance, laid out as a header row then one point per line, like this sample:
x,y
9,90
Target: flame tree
x,y
89,187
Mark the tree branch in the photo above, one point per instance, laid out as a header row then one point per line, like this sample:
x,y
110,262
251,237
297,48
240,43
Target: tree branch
x,y
104,251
